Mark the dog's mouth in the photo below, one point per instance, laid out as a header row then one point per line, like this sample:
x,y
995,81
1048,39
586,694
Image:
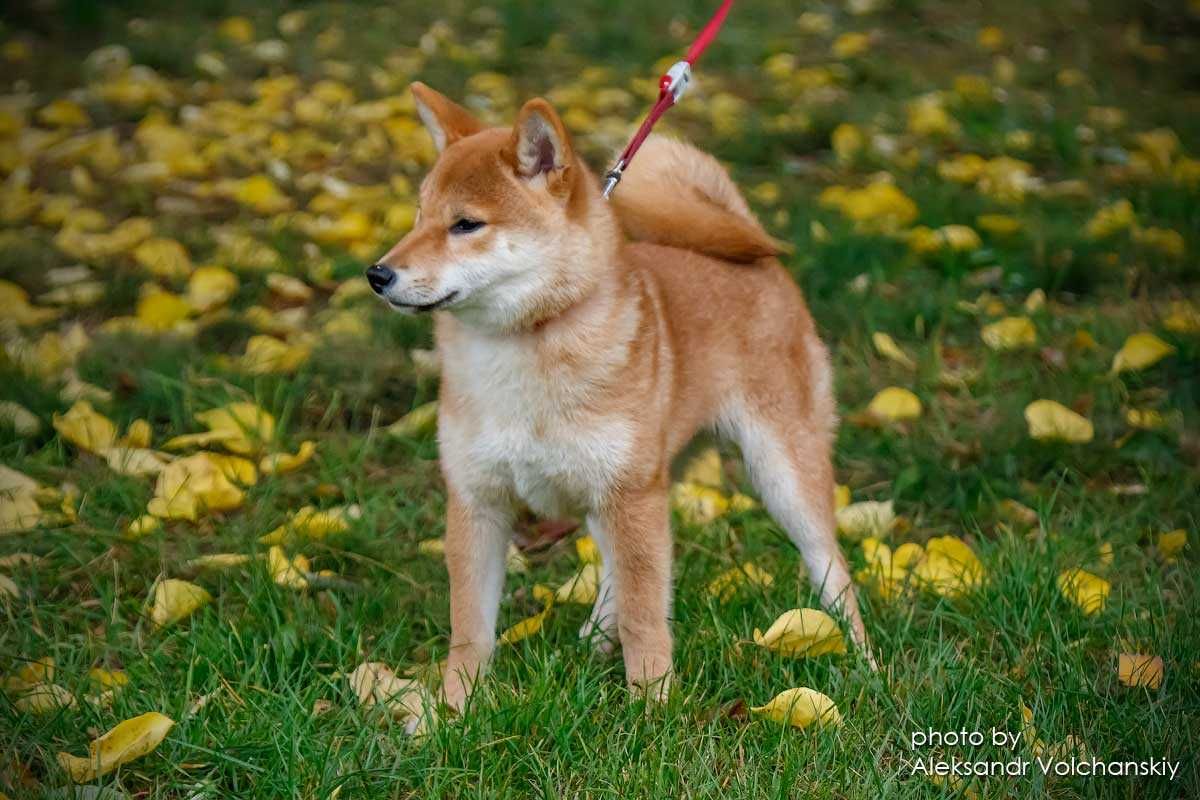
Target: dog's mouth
x,y
423,307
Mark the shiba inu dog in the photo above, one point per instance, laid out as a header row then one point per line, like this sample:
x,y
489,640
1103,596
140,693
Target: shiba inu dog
x,y
583,343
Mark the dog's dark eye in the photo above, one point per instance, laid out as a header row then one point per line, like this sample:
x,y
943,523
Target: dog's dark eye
x,y
465,225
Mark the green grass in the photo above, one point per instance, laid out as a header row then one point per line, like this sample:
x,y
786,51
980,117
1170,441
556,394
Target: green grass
x,y
256,681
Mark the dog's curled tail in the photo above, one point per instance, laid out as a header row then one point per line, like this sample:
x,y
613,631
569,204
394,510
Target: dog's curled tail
x,y
676,195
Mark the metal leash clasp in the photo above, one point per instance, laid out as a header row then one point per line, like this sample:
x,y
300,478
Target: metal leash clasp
x,y
612,178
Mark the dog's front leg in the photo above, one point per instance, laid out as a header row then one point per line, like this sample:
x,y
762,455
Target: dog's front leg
x,y
638,523
476,540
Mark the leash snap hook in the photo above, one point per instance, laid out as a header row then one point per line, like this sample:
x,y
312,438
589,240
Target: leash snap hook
x,y
612,178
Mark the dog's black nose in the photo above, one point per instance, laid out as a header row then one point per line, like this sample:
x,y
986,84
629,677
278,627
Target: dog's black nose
x,y
380,277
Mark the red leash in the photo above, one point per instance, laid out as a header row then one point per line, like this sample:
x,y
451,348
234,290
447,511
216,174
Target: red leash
x,y
670,88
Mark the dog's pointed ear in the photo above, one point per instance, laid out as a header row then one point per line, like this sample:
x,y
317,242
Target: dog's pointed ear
x,y
540,144
446,121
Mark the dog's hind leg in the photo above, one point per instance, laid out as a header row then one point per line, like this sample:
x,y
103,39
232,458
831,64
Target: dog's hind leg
x,y
790,466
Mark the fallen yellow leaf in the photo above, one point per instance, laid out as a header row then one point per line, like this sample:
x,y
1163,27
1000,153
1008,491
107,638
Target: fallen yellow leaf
x,y
136,461
16,416
841,496
866,518
998,224
30,674
697,504
1141,350
1111,219
19,560
219,561
109,679
259,192
189,486
19,509
404,699
267,355
949,567
886,346
515,561
239,29
802,632
586,549
1051,421
705,469
1182,317
161,311
927,116
280,463
309,523
176,600
895,404
44,698
288,572
582,587
86,428
432,547
1171,543
142,526
210,287
138,434
240,427
1017,513
741,502
725,586
420,420
1010,333
246,426
847,141
1088,591
888,571
1036,301
1145,419
235,468
851,44
877,207
952,238
527,627
128,741
1135,669
17,308
164,258
289,287
800,708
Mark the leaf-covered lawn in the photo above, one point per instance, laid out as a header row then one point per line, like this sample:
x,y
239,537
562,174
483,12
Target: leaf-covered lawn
x,y
220,501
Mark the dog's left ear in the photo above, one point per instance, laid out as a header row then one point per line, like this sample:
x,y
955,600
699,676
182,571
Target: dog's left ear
x,y
540,146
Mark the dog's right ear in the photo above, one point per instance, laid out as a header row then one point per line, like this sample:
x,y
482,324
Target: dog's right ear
x,y
446,121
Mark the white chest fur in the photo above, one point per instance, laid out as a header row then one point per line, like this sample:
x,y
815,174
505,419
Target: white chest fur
x,y
525,429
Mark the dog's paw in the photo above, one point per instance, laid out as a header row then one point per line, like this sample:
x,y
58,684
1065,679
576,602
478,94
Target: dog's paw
x,y
654,690
455,692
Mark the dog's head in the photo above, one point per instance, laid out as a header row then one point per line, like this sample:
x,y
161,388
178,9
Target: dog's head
x,y
502,236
